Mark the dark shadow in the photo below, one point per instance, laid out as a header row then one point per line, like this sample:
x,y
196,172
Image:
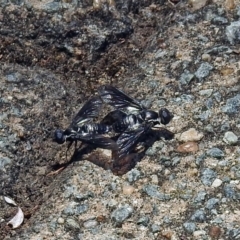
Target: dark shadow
x,y
116,165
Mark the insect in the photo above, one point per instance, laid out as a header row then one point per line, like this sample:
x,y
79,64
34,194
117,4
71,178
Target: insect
x,y
83,129
132,126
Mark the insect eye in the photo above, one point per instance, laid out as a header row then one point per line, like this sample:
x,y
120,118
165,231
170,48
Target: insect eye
x,y
59,136
165,116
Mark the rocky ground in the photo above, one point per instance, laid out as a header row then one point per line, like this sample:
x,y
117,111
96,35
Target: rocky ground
x,y
183,55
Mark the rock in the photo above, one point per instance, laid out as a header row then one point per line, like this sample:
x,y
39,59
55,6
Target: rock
x,y
143,221
211,203
203,71
189,226
133,175
71,224
4,161
155,228
215,153
200,197
208,176
198,216
233,32
206,57
232,105
152,191
187,147
229,191
230,138
60,220
128,190
206,92
191,135
186,77
90,223
214,232
217,183
122,213
199,234
197,4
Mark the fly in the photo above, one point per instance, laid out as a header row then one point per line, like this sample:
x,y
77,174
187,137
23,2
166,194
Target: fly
x,y
83,129
132,127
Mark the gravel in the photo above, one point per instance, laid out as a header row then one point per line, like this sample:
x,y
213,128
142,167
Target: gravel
x,y
185,57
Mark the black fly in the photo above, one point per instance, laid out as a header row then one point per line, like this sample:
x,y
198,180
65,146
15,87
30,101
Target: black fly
x,y
132,126
83,129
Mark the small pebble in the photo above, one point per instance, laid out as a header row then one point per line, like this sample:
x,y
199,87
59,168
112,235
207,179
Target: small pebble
x,y
122,213
128,190
90,224
197,4
214,232
189,226
208,176
191,135
155,228
187,147
217,183
154,179
230,138
206,57
60,220
215,153
198,234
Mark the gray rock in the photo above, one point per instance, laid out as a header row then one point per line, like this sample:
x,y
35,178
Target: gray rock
x,y
225,126
230,138
200,159
144,220
152,191
73,209
217,96
198,216
209,128
206,92
186,194
211,203
229,191
234,234
215,153
209,103
4,161
204,115
122,213
71,224
233,32
14,77
186,77
219,49
200,197
219,20
232,105
203,71
53,7
133,175
155,228
208,176
189,226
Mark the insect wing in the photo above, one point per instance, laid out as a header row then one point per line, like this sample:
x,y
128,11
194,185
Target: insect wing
x,y
98,141
128,140
118,99
89,111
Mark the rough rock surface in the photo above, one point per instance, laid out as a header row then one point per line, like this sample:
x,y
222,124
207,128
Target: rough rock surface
x,y
53,57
